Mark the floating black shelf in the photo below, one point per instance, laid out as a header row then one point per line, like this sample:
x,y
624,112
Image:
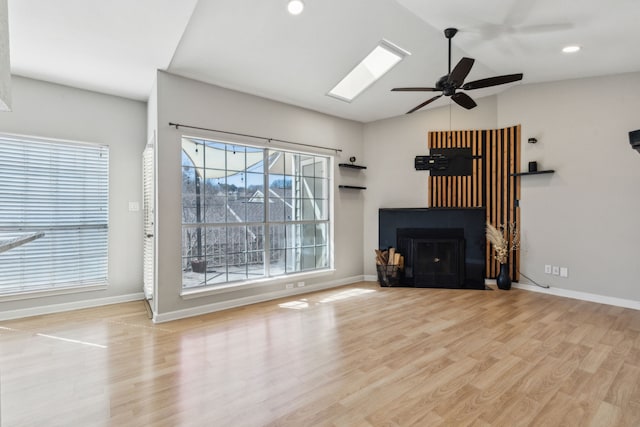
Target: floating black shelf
x,y
533,173
352,187
351,166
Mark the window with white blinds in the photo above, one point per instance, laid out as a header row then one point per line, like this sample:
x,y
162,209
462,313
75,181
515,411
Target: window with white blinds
x,y
54,212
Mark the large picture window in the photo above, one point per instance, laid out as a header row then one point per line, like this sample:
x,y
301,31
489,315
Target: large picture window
x,y
54,210
250,213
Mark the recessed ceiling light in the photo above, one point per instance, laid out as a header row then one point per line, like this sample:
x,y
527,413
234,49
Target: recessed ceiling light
x,y
571,49
376,64
295,7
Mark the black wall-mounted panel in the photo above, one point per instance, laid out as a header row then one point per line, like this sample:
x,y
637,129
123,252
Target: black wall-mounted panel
x,y
460,161
634,139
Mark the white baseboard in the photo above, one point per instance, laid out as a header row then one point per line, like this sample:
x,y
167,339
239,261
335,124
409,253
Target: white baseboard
x,y
210,308
584,296
239,302
68,306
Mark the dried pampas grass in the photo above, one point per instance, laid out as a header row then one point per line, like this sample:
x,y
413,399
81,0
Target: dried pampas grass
x,y
504,240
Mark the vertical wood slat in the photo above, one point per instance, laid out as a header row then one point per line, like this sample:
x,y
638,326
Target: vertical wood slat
x,y
490,185
433,184
460,179
516,202
470,178
492,190
504,191
453,179
433,188
439,180
481,152
509,208
449,179
486,201
446,196
502,196
463,179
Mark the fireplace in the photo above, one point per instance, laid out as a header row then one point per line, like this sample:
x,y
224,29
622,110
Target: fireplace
x,y
433,257
443,247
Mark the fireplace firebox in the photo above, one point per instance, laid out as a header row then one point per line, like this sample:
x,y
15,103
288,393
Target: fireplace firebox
x,y
433,257
442,247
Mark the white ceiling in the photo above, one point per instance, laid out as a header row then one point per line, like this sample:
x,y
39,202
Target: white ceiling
x,y
255,46
110,46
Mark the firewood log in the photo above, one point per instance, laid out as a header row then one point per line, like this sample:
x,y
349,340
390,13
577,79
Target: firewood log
x,y
396,259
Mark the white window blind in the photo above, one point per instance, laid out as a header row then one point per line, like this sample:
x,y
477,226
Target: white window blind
x,y
58,191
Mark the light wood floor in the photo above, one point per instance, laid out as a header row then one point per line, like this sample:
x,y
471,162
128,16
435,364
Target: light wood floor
x,y
360,355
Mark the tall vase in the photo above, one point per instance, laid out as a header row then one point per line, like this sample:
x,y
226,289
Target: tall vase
x,y
503,280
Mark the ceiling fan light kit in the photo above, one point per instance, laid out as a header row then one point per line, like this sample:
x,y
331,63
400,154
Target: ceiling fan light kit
x,y
454,80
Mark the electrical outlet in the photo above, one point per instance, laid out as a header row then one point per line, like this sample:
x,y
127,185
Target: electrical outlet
x,y
300,284
564,272
134,206
547,268
555,270
289,286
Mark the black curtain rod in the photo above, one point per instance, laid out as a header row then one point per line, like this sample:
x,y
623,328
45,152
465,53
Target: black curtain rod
x,y
178,125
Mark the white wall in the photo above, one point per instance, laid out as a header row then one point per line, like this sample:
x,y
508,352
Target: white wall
x,y
54,111
195,103
586,215
583,217
391,146
152,130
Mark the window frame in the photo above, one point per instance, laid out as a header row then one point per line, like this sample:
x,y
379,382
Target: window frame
x,y
83,284
268,276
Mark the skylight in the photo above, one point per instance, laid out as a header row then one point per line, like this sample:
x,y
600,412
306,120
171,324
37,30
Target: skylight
x,y
376,64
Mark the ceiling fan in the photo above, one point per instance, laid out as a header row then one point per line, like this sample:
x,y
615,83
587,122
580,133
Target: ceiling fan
x,y
453,81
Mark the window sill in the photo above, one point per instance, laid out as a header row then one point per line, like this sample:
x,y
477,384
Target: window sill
x,y
51,292
253,284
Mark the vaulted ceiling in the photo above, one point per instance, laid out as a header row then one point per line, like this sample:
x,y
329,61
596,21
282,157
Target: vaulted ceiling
x,y
256,46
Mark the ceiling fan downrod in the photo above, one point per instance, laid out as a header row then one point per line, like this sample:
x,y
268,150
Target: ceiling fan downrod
x,y
449,33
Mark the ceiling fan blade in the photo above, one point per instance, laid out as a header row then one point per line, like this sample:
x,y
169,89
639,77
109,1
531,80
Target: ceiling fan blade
x,y
414,89
460,71
492,81
463,100
428,101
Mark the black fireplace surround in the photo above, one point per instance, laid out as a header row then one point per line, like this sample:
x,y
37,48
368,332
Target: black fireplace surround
x,y
443,247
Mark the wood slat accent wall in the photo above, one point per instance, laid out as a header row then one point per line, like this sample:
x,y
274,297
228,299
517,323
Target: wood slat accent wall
x,y
496,156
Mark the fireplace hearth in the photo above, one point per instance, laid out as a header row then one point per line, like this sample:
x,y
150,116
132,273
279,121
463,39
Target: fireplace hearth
x,y
443,247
